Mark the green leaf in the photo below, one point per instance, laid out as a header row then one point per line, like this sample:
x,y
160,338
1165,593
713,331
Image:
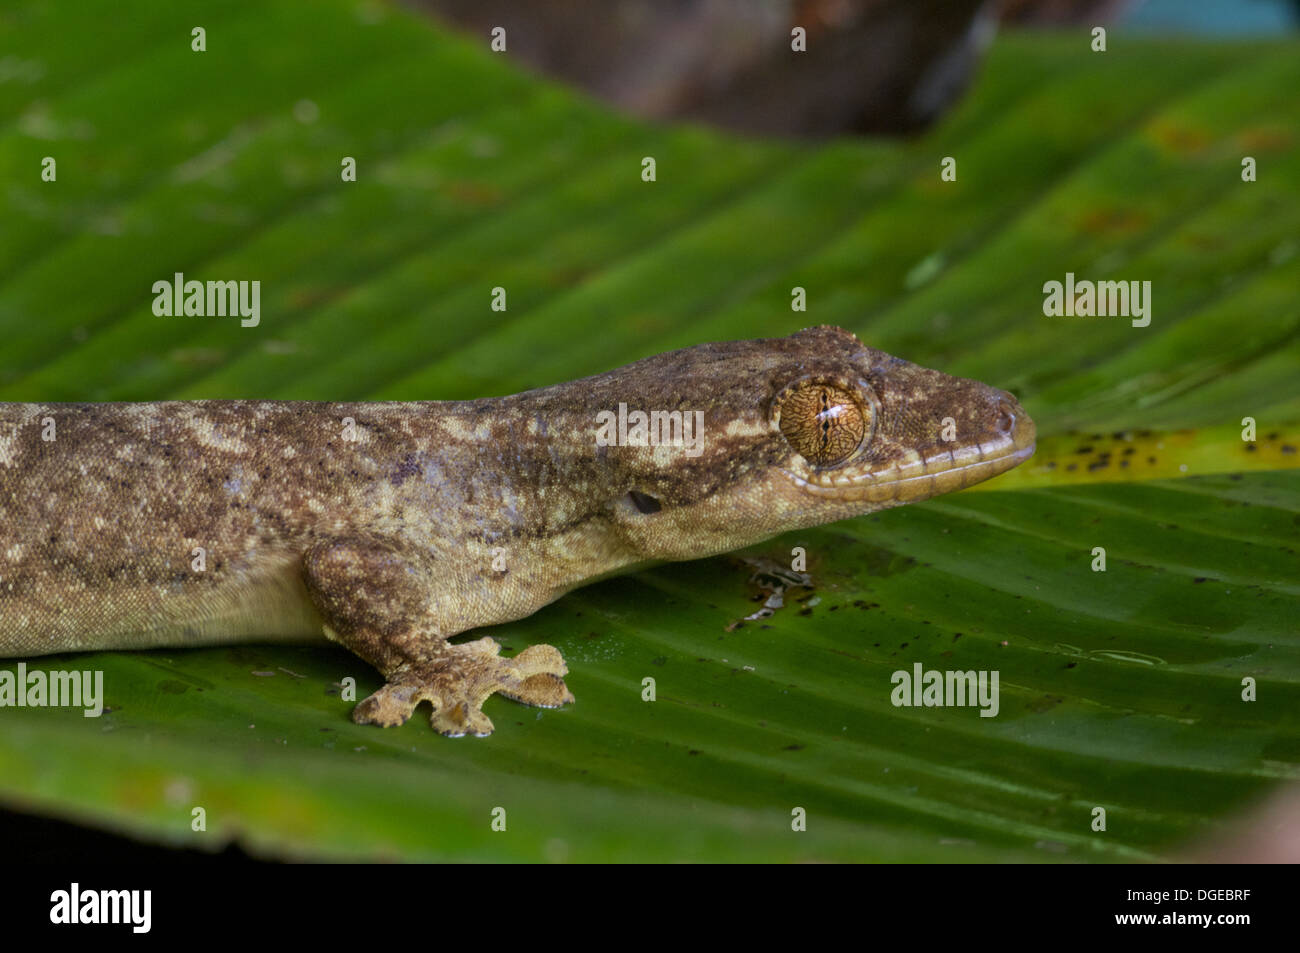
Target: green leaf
x,y
1119,689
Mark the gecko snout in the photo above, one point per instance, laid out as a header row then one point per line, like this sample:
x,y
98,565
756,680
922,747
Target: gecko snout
x,y
1010,422
1006,419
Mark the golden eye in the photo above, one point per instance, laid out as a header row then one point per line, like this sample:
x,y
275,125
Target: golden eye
x,y
824,423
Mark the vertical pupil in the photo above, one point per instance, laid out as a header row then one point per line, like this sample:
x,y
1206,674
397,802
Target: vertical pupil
x,y
824,424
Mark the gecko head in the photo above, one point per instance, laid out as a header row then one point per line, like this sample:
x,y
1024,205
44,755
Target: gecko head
x,y
805,430
880,431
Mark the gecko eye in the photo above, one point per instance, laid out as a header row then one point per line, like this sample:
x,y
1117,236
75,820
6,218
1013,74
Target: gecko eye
x,y
824,422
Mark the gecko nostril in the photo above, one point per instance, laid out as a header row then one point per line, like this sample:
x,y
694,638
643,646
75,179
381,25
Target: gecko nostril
x,y
1006,419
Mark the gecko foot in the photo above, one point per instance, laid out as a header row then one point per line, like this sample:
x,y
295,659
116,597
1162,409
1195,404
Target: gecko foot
x,y
458,682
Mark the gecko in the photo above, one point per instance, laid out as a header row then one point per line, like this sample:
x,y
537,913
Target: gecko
x,y
391,527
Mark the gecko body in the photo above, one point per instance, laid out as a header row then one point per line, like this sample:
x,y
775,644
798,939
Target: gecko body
x,y
391,527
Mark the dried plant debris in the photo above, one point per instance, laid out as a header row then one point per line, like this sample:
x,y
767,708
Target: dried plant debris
x,y
772,581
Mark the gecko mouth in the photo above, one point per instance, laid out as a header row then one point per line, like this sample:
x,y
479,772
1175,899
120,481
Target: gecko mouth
x,y
919,478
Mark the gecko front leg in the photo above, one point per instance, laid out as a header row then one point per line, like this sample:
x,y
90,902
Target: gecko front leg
x,y
377,599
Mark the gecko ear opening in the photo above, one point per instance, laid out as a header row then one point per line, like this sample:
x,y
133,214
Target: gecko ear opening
x,y
644,503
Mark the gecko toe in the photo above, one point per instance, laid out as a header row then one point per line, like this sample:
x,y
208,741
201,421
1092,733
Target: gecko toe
x,y
539,659
542,690
390,706
533,678
485,645
460,719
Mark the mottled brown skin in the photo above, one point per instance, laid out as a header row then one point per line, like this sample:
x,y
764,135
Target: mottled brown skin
x,y
386,543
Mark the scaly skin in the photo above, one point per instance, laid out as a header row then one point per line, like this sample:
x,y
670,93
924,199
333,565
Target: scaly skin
x,y
440,517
